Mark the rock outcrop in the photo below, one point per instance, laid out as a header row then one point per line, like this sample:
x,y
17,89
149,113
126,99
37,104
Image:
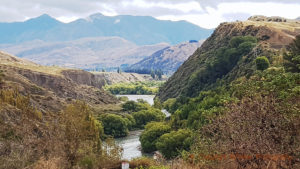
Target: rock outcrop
x,y
52,87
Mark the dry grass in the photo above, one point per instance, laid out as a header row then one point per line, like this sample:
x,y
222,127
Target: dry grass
x,y
9,60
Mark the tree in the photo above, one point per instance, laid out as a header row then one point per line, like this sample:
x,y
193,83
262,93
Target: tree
x,y
1,76
119,70
262,63
172,144
114,125
144,116
292,57
152,74
151,134
81,131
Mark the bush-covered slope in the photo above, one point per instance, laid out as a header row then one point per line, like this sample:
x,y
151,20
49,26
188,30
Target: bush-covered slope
x,y
216,52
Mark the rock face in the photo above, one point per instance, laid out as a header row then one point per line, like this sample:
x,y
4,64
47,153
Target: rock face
x,y
272,35
168,59
113,77
52,90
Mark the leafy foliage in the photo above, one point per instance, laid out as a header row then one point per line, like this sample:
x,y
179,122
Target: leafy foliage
x,y
171,144
262,63
225,59
151,134
292,58
115,125
144,116
139,88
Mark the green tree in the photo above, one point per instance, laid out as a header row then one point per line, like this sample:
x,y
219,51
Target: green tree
x,y
152,74
1,76
292,57
151,134
173,143
114,125
262,63
144,116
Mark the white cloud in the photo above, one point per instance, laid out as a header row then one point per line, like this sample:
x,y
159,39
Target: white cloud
x,y
205,13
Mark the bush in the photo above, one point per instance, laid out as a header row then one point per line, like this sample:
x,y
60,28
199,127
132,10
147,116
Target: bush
x,y
171,144
262,63
255,126
1,76
123,98
115,125
132,106
151,134
292,57
144,116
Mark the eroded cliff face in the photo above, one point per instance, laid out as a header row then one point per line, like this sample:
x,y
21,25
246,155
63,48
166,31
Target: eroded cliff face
x,y
272,35
50,90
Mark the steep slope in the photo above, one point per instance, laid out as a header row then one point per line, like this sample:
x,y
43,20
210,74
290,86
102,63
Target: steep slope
x,y
114,77
142,30
168,59
51,87
86,53
195,74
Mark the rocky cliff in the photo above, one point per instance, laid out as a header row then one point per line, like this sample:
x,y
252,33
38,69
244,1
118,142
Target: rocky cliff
x,y
272,33
51,87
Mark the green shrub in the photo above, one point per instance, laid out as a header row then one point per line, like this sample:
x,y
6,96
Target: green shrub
x,y
144,116
151,134
171,144
292,57
115,125
133,106
262,63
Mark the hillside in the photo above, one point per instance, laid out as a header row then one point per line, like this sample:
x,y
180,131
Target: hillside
x,y
50,88
168,59
142,30
114,77
85,53
210,62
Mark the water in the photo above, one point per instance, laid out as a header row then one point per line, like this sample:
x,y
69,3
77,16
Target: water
x,y
131,144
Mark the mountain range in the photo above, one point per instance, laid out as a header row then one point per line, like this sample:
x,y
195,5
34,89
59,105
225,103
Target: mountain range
x,y
142,30
84,53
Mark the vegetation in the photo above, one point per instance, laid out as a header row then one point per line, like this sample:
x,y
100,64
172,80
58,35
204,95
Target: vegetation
x,y
145,116
154,73
225,58
292,57
173,143
151,134
116,125
139,88
1,76
70,139
262,63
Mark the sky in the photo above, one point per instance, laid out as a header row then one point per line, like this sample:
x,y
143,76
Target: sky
x,y
204,13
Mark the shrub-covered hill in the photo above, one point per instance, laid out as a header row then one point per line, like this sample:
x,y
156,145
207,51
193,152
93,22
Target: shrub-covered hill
x,y
225,55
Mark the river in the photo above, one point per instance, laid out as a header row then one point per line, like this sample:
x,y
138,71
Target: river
x,y
131,144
